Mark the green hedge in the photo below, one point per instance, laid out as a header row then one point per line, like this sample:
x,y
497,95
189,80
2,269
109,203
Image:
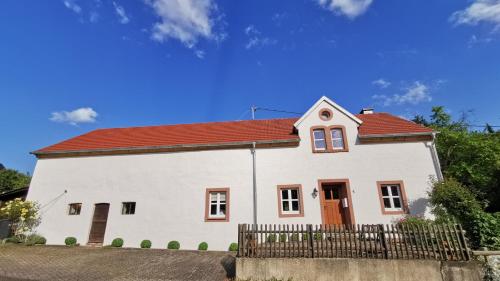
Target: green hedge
x,y
203,246
174,245
146,244
70,241
117,243
233,247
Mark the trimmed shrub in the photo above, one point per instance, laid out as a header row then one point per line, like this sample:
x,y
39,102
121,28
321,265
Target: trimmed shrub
x,y
203,246
12,239
174,245
70,241
414,220
271,238
117,242
283,238
146,244
318,236
294,237
35,239
305,236
233,247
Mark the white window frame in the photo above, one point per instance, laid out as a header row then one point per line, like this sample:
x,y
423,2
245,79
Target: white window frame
x,y
218,204
391,197
340,138
324,140
290,200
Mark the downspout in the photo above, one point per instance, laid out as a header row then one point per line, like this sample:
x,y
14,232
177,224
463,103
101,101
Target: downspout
x,y
435,158
254,158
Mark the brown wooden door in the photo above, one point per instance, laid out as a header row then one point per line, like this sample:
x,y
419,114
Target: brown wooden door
x,y
331,203
99,223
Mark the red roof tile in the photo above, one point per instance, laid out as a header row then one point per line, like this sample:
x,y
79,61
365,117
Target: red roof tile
x,y
385,123
216,133
176,135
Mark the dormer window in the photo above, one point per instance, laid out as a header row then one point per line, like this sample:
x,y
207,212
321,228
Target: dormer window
x,y
329,139
319,139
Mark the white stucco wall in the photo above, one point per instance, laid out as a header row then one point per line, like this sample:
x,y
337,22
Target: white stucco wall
x,y
169,188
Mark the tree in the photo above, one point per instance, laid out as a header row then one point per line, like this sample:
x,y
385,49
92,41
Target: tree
x,y
12,179
470,157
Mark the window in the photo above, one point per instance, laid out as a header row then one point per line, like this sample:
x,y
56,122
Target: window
x,y
217,204
290,201
128,208
74,209
325,114
319,139
392,197
329,139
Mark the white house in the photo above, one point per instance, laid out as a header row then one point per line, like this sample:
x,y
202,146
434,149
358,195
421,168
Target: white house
x,y
196,182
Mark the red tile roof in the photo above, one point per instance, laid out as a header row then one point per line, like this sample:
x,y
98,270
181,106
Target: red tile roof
x,y
387,124
177,135
217,133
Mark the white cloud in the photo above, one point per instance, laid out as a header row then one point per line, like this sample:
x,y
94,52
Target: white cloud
x,y
381,83
71,4
80,115
199,54
93,17
255,39
414,94
479,11
474,40
186,21
122,15
349,8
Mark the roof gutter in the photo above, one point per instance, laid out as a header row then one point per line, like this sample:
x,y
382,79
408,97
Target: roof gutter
x,y
396,135
167,147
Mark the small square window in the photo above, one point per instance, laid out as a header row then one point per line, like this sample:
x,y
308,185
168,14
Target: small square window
x,y
74,209
392,197
217,204
128,208
289,201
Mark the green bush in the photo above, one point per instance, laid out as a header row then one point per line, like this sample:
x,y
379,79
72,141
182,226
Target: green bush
x,y
305,236
146,244
451,201
70,241
12,239
414,220
283,238
35,239
271,238
117,243
173,245
203,246
294,237
233,247
318,236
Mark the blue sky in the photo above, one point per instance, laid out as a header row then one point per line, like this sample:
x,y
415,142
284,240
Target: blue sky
x,y
68,67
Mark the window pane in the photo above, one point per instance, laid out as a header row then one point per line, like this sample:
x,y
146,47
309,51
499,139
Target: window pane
x,y
336,134
395,190
286,206
328,193
387,203
397,202
320,144
213,196
222,210
213,209
319,134
284,194
295,194
336,192
338,144
222,196
295,205
385,192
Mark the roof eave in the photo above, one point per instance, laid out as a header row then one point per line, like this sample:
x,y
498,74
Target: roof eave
x,y
396,135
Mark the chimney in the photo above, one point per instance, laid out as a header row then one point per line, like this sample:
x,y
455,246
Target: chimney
x,y
368,110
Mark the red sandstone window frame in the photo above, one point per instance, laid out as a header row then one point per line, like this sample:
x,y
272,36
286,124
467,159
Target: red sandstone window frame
x,y
207,204
329,111
402,195
281,213
328,139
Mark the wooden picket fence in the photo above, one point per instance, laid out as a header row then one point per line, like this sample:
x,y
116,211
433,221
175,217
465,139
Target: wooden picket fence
x,y
436,241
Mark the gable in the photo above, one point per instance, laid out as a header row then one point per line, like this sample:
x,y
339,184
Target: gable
x,y
328,103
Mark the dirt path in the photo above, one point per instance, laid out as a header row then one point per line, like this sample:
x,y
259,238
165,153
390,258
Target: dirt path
x,y
82,263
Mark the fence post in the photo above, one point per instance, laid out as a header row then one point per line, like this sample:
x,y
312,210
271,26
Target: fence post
x,y
310,239
381,232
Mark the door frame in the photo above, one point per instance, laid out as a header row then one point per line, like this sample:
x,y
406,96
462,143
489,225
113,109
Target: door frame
x,y
92,221
350,209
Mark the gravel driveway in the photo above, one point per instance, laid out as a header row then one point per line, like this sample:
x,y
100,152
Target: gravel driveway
x,y
84,263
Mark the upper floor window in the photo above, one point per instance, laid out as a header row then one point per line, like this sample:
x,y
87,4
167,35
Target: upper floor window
x,y
74,209
319,139
128,208
392,197
337,138
329,139
290,201
217,204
